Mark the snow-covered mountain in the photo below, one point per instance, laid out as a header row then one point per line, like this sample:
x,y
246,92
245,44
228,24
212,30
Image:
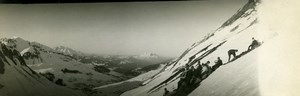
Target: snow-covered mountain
x,y
150,57
17,79
236,78
68,51
61,68
147,55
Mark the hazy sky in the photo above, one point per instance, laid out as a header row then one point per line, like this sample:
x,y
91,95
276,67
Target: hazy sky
x,y
165,28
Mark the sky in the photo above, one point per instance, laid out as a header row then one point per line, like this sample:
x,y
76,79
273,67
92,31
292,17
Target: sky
x,y
129,28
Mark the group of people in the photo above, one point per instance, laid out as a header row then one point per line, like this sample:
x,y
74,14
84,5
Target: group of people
x,y
191,75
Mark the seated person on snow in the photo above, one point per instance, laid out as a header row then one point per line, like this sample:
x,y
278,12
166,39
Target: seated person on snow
x,y
198,70
253,45
232,52
166,93
182,79
218,63
206,69
189,75
194,75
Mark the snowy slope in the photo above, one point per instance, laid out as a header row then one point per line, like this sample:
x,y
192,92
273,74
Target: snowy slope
x,y
17,79
237,78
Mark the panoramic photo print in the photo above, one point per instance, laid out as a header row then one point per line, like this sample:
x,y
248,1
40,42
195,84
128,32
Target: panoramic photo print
x,y
150,48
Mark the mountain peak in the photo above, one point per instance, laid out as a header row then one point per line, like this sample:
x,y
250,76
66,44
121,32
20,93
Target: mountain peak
x,y
67,50
18,39
15,37
62,47
148,55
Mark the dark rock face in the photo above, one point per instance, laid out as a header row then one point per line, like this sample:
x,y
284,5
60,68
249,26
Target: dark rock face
x,y
2,58
66,70
13,55
49,76
60,82
1,66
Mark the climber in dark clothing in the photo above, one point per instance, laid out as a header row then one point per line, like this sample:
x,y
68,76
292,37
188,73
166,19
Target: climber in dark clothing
x,y
253,45
166,92
186,66
232,52
198,71
218,63
207,70
195,75
189,75
182,79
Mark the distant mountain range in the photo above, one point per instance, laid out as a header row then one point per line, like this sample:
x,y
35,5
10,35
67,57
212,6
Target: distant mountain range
x,y
77,70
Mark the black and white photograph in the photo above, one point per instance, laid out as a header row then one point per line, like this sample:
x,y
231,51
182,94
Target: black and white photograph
x,y
149,48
